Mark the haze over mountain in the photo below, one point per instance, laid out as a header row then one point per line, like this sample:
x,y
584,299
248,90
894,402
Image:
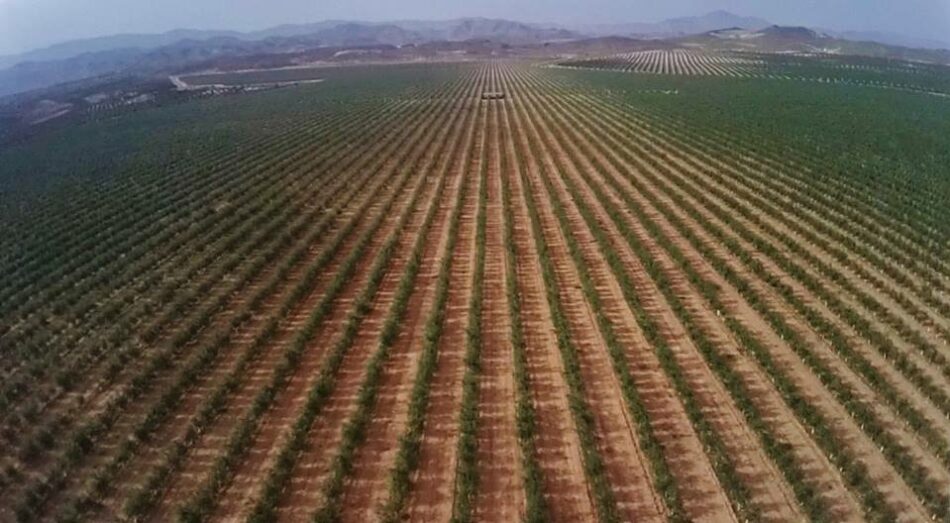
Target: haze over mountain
x,y
33,24
148,53
676,26
169,52
329,32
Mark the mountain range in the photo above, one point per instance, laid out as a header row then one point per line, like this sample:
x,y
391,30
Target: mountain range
x,y
175,51
674,27
332,32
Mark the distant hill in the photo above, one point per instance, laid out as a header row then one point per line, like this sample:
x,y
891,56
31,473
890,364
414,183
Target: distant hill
x,y
456,30
34,75
791,33
333,31
148,54
505,31
889,39
678,26
142,42
175,51
785,39
709,22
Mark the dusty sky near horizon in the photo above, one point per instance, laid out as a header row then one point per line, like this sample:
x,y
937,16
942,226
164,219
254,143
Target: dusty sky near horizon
x,y
31,24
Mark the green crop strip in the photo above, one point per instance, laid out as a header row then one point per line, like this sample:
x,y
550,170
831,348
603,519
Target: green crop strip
x,y
466,473
536,510
407,456
354,431
605,503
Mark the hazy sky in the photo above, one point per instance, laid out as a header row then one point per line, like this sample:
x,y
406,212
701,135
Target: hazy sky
x,y
28,24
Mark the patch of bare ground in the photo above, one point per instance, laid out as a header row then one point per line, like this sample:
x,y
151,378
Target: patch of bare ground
x,y
432,489
303,494
767,488
897,494
500,495
566,490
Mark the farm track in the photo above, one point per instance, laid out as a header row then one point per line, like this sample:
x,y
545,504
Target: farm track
x,y
432,306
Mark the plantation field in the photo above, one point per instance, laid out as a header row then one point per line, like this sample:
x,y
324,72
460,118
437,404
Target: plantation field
x,y
821,68
263,77
605,297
